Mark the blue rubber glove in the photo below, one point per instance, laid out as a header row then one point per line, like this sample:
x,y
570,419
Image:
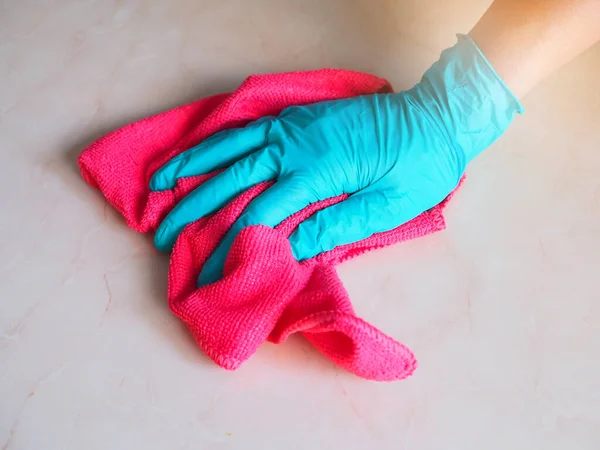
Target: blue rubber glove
x,y
396,154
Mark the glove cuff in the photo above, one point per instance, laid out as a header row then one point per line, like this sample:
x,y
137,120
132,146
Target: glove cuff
x,y
467,98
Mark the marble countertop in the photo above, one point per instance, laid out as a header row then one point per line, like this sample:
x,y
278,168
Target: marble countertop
x,y
502,309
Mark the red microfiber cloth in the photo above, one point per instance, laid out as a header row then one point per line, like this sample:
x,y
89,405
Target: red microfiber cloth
x,y
265,294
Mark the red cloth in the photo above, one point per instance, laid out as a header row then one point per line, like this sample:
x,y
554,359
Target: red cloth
x,y
265,294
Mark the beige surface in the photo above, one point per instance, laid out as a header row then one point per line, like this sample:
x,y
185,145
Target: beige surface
x,y
502,309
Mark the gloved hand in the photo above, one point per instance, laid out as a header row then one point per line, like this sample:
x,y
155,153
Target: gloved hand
x,y
396,154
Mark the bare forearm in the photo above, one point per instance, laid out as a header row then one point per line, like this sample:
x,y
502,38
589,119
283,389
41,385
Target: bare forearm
x,y
526,40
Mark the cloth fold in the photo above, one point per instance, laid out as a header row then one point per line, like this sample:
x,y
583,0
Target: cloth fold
x,y
265,294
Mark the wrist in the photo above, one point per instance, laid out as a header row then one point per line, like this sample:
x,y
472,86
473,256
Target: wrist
x,y
467,98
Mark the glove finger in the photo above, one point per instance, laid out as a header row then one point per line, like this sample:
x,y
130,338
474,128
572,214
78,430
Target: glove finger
x,y
280,201
360,216
214,194
218,151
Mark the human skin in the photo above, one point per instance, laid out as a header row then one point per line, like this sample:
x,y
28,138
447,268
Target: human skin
x,y
527,40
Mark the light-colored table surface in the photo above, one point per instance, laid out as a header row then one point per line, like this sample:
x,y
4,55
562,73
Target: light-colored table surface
x,y
502,309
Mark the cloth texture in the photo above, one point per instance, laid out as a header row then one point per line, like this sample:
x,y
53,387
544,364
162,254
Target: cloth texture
x,y
265,294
